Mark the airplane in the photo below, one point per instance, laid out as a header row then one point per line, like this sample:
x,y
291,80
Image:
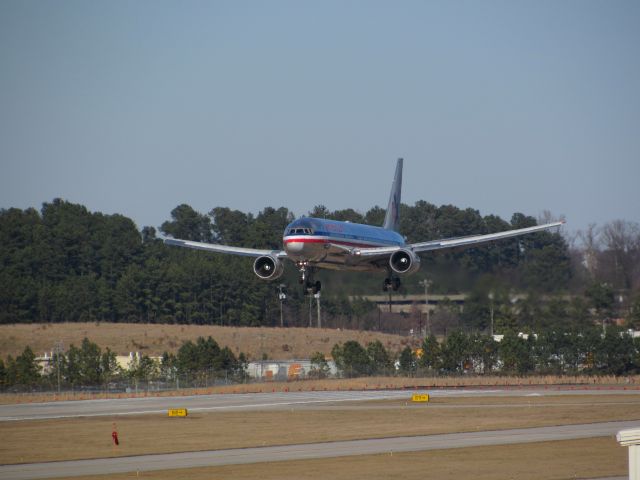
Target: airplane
x,y
313,243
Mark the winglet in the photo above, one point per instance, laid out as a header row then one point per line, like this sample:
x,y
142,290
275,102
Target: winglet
x,y
392,218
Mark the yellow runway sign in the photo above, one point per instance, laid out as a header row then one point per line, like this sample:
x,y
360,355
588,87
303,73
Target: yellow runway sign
x,y
420,397
178,412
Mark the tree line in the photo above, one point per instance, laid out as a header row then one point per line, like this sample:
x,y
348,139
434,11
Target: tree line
x,y
67,264
195,364
569,352
203,362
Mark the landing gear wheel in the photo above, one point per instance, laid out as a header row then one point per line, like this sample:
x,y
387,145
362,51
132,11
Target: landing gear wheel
x,y
306,279
391,284
312,287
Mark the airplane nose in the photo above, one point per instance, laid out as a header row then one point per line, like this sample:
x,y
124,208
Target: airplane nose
x,y
294,247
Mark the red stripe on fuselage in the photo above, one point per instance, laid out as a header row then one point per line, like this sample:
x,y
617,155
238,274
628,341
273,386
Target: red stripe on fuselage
x,y
338,242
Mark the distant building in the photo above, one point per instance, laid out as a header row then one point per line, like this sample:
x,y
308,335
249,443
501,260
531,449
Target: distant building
x,y
411,303
282,370
123,361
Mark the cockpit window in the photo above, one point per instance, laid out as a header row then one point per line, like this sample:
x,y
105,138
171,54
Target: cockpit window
x,y
300,231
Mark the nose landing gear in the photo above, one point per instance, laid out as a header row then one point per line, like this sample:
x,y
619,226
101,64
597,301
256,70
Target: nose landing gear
x,y
306,279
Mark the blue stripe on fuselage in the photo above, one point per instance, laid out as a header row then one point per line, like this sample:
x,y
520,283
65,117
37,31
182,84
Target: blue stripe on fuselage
x,y
348,232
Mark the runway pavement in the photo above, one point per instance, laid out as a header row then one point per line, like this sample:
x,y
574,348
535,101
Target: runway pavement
x,y
249,401
307,451
197,403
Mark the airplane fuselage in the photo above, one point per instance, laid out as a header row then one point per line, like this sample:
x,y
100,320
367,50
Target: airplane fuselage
x,y
324,242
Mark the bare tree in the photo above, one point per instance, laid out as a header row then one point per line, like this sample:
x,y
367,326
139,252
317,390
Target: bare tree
x,y
591,248
445,318
547,217
621,253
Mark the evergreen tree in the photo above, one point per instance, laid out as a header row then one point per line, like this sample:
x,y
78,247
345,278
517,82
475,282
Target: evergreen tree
x,y
407,361
90,363
351,359
187,224
380,360
27,371
455,351
430,354
3,375
319,366
516,354
108,366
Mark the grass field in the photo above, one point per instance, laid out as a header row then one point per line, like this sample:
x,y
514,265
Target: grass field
x,y
607,383
65,439
150,339
588,458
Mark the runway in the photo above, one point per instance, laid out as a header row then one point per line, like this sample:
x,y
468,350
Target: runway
x,y
197,403
308,451
250,401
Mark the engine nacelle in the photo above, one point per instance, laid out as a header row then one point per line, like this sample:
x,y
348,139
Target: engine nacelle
x,y
268,267
404,262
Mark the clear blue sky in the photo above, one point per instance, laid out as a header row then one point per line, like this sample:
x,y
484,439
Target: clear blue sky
x,y
134,107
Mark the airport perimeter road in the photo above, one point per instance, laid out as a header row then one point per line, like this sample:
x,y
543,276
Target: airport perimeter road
x,y
307,451
250,401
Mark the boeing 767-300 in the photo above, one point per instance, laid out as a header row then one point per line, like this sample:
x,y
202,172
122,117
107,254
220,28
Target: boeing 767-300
x,y
312,243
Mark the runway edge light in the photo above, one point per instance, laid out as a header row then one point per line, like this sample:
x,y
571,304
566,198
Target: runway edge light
x,y
420,397
177,412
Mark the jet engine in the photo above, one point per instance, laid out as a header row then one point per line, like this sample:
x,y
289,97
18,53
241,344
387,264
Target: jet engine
x,y
404,262
268,267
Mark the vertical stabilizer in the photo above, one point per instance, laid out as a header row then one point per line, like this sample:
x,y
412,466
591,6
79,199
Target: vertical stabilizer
x,y
392,218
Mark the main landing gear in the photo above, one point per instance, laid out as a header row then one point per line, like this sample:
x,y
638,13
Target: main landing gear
x,y
306,279
391,284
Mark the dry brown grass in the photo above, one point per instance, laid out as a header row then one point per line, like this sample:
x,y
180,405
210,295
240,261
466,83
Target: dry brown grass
x,y
608,383
64,439
587,458
154,339
277,343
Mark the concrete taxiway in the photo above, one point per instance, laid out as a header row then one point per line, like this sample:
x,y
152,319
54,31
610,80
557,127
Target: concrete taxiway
x,y
308,451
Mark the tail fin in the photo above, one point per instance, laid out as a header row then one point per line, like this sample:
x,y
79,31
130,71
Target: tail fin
x,y
392,218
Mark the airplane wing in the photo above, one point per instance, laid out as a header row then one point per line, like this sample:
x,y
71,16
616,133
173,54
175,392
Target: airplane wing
x,y
455,242
212,247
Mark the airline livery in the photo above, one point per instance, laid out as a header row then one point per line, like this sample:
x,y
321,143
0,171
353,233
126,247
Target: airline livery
x,y
312,243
